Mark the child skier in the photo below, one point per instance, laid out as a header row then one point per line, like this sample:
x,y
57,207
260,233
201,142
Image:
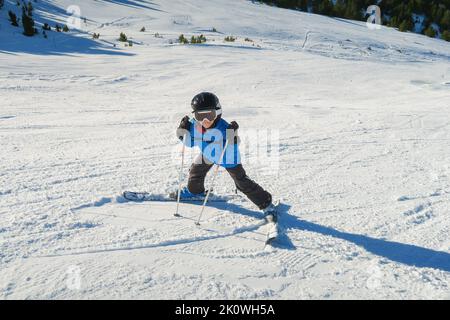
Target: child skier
x,y
210,133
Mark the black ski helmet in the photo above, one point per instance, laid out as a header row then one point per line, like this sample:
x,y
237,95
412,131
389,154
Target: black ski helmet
x,y
205,101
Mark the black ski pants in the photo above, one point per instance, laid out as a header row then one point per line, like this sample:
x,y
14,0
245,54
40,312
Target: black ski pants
x,y
254,192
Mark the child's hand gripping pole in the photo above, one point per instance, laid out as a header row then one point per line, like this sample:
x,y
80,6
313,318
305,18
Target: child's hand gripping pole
x,y
212,182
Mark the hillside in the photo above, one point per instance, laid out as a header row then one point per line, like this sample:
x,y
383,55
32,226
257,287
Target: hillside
x,y
431,18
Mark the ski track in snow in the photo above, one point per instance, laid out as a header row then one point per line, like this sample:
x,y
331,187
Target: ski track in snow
x,y
363,157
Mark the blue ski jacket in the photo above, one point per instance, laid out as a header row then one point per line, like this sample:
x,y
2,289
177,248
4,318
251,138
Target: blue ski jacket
x,y
212,141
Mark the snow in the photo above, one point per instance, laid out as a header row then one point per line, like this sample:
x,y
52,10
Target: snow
x,y
363,123
419,20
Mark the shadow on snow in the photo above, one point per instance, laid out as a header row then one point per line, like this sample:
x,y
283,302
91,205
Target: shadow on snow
x,y
407,254
135,3
57,43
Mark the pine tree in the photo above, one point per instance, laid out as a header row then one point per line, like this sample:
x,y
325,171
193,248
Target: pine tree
x,y
303,5
446,35
28,24
445,21
352,11
13,19
288,4
402,27
325,7
399,13
339,8
439,14
419,6
30,9
430,32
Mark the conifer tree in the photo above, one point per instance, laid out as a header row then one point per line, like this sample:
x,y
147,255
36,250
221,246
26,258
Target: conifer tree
x,y
430,32
13,18
28,23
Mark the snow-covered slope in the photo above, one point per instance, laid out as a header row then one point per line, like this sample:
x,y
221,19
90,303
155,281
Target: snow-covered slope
x,y
364,132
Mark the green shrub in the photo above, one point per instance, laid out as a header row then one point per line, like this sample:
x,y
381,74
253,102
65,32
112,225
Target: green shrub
x,y
230,39
199,39
182,39
430,32
123,37
406,25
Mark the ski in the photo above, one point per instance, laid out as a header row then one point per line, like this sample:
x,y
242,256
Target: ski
x,y
273,229
272,232
147,196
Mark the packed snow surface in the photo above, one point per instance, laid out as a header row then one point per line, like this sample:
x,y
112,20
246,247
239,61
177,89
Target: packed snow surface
x,y
363,124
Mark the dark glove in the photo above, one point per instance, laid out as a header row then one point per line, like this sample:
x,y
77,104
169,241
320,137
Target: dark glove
x,y
233,125
232,132
184,126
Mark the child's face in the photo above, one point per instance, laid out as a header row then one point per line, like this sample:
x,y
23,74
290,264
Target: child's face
x,y
207,124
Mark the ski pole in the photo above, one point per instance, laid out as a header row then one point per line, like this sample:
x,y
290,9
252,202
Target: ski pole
x,y
180,177
216,169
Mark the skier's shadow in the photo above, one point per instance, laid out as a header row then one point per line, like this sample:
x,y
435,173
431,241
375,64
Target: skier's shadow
x,y
407,254
283,240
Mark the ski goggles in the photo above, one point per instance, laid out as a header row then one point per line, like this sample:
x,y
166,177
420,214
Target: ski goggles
x,y
210,115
